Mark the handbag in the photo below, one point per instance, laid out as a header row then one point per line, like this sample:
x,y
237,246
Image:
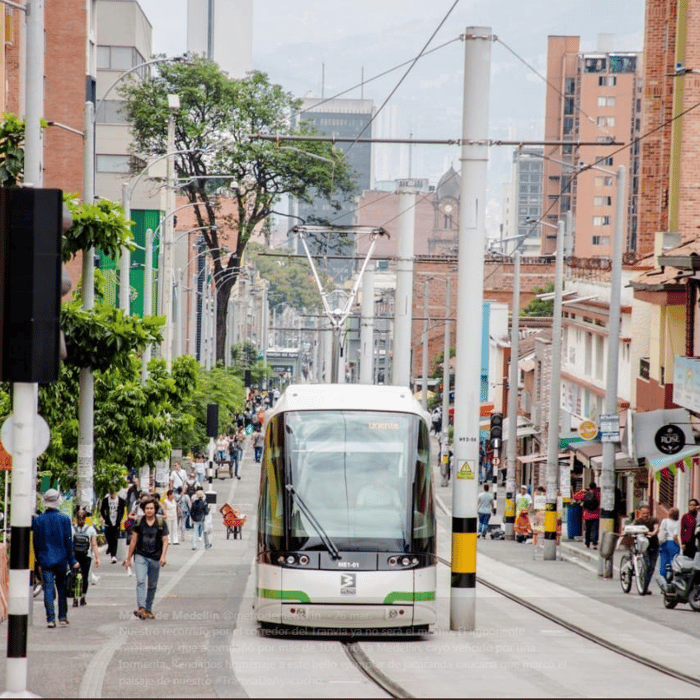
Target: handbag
x,y
71,582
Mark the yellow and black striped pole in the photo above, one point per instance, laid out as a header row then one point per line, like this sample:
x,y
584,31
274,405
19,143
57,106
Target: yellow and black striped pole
x,y
470,311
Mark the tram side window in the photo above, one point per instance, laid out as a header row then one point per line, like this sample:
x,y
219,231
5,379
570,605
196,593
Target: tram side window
x,y
271,507
423,513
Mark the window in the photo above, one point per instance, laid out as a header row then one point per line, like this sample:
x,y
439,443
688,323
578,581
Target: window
x,y
599,357
605,121
568,125
603,181
608,161
113,164
570,86
601,240
667,487
568,105
606,101
594,65
120,58
607,80
588,356
602,201
111,112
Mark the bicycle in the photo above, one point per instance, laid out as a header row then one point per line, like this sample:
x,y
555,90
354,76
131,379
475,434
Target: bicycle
x,y
633,564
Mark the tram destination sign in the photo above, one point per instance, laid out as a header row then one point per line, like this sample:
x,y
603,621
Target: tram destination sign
x,y
670,439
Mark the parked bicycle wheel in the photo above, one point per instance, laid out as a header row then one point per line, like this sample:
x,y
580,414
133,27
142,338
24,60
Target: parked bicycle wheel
x,y
641,576
626,572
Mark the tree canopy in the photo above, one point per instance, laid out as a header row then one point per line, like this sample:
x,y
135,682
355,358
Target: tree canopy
x,y
214,135
539,307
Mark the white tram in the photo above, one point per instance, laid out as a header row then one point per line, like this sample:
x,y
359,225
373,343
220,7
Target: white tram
x,y
346,526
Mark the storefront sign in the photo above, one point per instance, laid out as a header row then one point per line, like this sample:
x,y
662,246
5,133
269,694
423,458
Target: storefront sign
x,y
669,439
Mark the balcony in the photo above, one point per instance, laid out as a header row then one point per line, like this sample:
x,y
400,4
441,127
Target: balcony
x,y
644,368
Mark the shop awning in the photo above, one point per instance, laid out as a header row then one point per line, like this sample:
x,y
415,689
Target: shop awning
x,y
537,457
622,461
684,458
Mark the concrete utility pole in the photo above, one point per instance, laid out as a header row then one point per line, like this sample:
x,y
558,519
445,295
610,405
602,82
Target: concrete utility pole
x,y
424,362
403,306
550,514
367,328
474,159
25,394
444,439
511,452
125,259
607,478
147,299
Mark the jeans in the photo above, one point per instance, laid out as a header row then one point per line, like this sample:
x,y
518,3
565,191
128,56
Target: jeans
x,y
483,523
55,577
234,463
258,453
198,531
591,535
667,551
147,572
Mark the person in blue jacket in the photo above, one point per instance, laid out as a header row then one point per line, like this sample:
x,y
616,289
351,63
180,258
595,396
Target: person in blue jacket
x,y
53,547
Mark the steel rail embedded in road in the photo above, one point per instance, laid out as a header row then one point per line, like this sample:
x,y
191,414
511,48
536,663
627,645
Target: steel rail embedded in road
x,y
377,676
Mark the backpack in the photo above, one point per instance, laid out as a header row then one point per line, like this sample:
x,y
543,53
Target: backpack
x,y
590,501
189,488
199,510
81,542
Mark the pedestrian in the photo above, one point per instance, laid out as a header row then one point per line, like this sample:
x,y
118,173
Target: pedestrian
x,y
669,541
86,551
133,495
53,548
232,456
198,513
539,505
200,466
112,510
183,512
590,498
221,448
178,476
652,551
258,440
523,501
484,507
170,514
688,524
240,444
148,548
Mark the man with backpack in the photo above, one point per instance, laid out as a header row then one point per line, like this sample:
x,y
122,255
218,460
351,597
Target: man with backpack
x,y
198,513
86,551
590,499
148,547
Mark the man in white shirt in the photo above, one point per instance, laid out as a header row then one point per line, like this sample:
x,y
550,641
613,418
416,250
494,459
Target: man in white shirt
x,y
178,476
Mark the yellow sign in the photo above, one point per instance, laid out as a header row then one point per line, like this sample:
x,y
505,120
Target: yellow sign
x,y
465,472
588,430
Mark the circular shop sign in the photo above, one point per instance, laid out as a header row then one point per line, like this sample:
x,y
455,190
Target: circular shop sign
x,y
669,439
588,430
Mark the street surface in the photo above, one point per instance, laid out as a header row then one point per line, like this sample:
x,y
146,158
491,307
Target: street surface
x,y
205,642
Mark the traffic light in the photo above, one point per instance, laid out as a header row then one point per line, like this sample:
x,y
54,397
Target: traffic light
x,y
212,420
496,430
31,222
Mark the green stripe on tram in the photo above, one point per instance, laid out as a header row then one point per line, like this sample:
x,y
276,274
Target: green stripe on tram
x,y
409,596
276,594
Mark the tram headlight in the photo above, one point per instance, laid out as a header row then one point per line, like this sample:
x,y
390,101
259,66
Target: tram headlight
x,y
303,560
291,559
280,559
393,561
405,561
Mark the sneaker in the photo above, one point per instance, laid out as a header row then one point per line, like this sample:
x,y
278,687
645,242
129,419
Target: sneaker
x,y
94,579
63,622
83,601
114,560
75,602
51,624
208,546
148,615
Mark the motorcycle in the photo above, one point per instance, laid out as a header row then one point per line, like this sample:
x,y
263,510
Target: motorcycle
x,y
683,585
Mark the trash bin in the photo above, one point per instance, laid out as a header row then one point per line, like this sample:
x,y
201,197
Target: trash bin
x,y
573,520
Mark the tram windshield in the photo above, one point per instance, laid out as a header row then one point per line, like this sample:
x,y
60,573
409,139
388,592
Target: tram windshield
x,y
355,471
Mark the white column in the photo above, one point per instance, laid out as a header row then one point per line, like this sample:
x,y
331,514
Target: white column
x,y
168,232
403,307
367,328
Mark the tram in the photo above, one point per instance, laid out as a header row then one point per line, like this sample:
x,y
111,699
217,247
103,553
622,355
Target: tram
x,y
346,525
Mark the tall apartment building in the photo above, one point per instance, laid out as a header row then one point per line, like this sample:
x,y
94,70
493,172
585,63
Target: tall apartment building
x,y
526,198
593,97
223,31
339,118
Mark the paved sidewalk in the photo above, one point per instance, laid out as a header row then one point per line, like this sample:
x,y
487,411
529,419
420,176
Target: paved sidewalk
x,y
107,652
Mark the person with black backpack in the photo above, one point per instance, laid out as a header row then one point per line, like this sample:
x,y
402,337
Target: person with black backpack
x,y
198,513
590,499
85,550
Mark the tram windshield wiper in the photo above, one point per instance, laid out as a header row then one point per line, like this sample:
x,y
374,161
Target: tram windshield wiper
x,y
335,554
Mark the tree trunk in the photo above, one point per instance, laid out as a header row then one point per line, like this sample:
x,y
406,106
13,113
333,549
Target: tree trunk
x,y
223,294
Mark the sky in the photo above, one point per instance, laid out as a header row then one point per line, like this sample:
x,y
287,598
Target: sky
x,y
298,42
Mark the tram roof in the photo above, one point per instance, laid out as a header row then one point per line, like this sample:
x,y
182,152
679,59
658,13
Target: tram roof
x,y
349,397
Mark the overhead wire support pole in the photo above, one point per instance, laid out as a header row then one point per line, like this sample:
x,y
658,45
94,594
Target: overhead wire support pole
x,y
472,237
511,451
550,515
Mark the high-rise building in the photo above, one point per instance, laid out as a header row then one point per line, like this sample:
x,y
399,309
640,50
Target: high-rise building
x,y
526,196
223,31
348,119
593,97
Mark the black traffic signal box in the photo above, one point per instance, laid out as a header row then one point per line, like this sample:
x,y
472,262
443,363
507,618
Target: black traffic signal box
x,y
496,430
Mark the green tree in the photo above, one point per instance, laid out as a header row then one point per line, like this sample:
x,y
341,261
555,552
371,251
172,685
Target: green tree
x,y
213,132
538,307
11,150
